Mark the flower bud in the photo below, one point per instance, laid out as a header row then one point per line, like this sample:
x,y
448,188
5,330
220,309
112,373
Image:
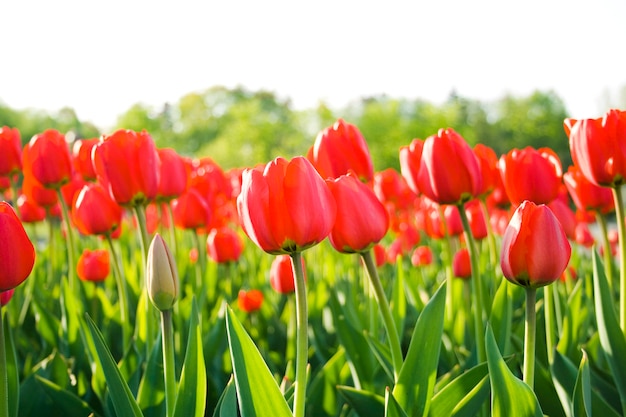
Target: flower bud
x,y
161,275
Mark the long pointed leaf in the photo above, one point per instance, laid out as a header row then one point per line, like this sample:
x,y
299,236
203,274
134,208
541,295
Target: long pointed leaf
x,y
12,370
581,404
416,381
392,408
464,395
257,390
365,403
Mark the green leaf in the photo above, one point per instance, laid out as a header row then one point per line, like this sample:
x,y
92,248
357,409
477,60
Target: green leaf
x,y
192,389
227,404
464,395
365,403
392,408
257,389
416,381
511,397
65,401
611,336
12,370
382,354
322,399
151,393
397,303
581,404
501,316
122,398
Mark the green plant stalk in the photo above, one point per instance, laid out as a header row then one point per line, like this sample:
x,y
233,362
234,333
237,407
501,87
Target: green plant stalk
x,y
201,260
529,337
140,215
447,256
71,257
608,259
385,310
4,378
548,299
491,238
121,294
621,231
477,288
302,342
172,231
167,337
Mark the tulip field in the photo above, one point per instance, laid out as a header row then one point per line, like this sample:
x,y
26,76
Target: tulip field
x,y
135,281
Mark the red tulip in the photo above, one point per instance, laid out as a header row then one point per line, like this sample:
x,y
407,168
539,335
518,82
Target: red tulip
x,y
5,296
173,174
535,249
281,274
362,219
598,147
461,264
583,235
531,174
191,210
449,171
127,162
476,219
250,301
339,149
17,253
94,212
390,186
47,158
10,151
380,254
586,195
566,217
287,207
93,265
224,245
488,167
410,158
83,164
30,212
422,256
36,192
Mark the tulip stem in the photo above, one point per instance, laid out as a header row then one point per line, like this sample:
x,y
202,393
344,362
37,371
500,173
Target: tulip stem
x,y
621,231
491,239
385,310
172,230
608,259
302,348
140,215
70,241
548,300
167,335
477,288
529,337
4,378
121,294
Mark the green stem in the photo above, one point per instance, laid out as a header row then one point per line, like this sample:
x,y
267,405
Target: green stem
x,y
621,230
529,337
140,215
548,299
201,260
121,291
302,342
172,229
608,258
167,334
385,310
477,288
491,238
71,276
447,256
4,377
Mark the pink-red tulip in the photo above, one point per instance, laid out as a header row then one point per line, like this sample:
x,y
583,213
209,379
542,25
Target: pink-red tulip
x,y
461,264
83,164
281,274
10,151
586,195
173,176
422,256
250,301
93,265
47,158
94,212
224,245
410,159
191,210
5,296
17,253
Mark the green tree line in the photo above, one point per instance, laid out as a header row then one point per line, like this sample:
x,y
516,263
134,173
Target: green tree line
x,y
238,127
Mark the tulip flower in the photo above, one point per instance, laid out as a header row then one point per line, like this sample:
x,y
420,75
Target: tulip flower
x,y
531,174
361,221
422,256
5,296
390,186
17,253
250,301
339,149
83,164
161,275
94,212
410,159
10,151
127,162
461,265
535,252
30,212
47,158
191,210
224,245
449,171
488,167
35,192
380,254
281,274
173,175
93,265
287,207
586,195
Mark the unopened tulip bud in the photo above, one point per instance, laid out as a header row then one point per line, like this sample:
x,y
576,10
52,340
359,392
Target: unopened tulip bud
x,y
161,275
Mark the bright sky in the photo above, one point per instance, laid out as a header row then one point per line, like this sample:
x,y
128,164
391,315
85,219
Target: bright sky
x,y
102,57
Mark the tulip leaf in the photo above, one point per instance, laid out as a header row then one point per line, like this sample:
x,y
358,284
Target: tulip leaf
x,y
581,402
392,408
227,403
611,336
464,395
65,402
151,393
416,381
382,354
121,396
12,370
322,399
192,389
365,403
257,390
501,315
511,397
398,301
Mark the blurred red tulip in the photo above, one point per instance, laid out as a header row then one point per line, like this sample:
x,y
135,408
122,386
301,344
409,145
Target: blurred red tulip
x,y
531,174
47,158
422,256
339,149
10,151
36,192
250,301
586,195
81,152
281,274
598,147
94,212
5,296
173,176
535,249
191,210
461,264
30,212
287,207
224,245
489,170
93,265
17,253
410,159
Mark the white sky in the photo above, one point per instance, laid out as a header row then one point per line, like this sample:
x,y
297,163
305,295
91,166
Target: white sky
x,y
101,57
